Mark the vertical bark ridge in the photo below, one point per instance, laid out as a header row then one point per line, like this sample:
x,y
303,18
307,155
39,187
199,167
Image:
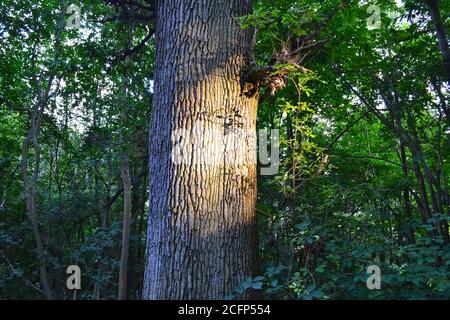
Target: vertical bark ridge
x,y
201,242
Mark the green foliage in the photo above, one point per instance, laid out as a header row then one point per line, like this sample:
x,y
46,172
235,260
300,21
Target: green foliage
x,y
343,198
79,143
337,204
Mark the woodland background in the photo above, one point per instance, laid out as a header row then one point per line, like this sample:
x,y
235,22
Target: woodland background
x,y
365,147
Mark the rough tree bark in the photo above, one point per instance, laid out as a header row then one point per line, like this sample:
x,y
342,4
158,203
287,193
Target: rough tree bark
x,y
201,241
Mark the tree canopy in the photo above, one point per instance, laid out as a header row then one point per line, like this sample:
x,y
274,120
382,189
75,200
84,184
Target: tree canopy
x,y
357,89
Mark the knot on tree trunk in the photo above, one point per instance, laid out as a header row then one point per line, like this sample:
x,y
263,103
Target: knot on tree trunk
x,y
273,77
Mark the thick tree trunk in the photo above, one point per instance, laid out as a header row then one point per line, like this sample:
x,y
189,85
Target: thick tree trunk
x,y
201,241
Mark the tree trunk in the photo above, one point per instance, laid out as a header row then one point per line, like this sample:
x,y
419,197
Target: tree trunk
x,y
126,180
405,193
433,6
30,192
122,293
201,241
